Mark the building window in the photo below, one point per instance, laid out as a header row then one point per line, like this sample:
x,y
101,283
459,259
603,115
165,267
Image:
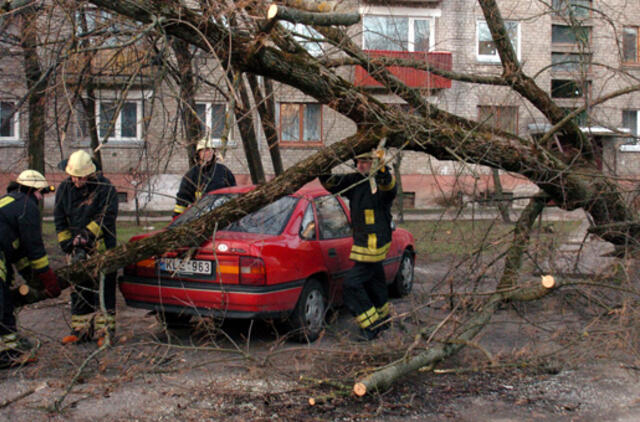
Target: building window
x,y
212,118
630,120
306,37
485,47
500,117
301,123
119,120
630,44
122,197
568,88
563,34
397,33
570,62
582,119
9,122
573,8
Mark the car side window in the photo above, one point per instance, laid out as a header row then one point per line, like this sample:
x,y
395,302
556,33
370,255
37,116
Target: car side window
x,y
308,225
332,220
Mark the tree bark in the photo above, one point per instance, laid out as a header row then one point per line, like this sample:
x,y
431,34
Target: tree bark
x,y
187,102
37,98
521,235
266,109
503,206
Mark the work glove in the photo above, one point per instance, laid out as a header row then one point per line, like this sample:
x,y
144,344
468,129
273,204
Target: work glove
x,y
66,246
383,176
84,239
50,283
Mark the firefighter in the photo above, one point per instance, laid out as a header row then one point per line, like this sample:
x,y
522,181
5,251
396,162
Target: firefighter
x,y
85,214
365,290
21,247
205,176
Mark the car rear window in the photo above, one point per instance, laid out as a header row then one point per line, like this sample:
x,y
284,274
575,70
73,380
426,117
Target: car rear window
x,y
201,207
270,219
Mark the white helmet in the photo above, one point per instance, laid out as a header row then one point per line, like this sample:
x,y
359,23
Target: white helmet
x,y
80,164
208,143
32,179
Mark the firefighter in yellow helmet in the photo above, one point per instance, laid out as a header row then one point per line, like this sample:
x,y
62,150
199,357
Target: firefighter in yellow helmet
x,y
21,247
205,176
85,214
364,289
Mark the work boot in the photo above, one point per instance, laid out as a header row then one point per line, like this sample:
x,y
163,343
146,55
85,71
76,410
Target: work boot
x,y
15,351
383,323
367,334
104,328
81,329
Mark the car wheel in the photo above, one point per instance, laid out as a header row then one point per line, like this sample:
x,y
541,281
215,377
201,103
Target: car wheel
x,y
307,319
174,321
403,283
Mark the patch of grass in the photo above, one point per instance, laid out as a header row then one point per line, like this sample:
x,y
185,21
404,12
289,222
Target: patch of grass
x,y
440,240
124,230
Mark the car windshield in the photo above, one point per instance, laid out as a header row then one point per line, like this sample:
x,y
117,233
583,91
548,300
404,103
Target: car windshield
x,y
269,219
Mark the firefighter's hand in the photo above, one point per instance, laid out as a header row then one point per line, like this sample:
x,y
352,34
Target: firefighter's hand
x,y
66,246
50,283
383,176
80,240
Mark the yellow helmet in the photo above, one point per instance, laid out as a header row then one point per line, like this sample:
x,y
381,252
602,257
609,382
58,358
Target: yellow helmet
x,y
207,143
32,179
80,164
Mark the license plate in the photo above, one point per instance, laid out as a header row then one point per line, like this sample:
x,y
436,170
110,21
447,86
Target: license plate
x,y
181,266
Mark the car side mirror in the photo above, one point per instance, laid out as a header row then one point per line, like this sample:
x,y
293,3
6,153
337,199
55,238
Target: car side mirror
x,y
309,231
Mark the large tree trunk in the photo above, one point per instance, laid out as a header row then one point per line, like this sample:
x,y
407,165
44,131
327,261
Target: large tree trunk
x,y
37,98
266,105
187,102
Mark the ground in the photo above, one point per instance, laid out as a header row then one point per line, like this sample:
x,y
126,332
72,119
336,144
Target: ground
x,y
570,356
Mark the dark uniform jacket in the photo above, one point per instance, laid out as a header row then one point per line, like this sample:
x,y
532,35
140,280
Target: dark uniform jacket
x,y
370,213
92,208
21,234
202,179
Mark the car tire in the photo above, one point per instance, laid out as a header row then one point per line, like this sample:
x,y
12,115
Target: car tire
x,y
403,283
174,321
307,319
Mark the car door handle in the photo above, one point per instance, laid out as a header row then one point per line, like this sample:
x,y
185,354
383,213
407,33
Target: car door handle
x,y
333,253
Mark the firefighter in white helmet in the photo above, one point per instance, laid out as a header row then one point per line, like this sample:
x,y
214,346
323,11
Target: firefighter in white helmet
x,y
21,247
85,218
205,176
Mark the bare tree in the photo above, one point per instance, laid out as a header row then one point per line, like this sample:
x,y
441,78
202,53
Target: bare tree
x,y
568,172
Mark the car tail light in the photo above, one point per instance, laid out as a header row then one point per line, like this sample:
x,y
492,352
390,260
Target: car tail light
x,y
252,271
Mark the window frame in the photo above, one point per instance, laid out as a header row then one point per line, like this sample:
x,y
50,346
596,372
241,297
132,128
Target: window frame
x,y
15,121
498,109
585,87
115,97
411,13
300,142
635,62
636,134
495,58
231,138
570,8
556,44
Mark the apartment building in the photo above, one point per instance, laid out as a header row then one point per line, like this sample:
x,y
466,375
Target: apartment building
x,y
577,50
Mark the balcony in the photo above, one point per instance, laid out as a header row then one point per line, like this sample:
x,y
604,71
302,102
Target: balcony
x,y
412,77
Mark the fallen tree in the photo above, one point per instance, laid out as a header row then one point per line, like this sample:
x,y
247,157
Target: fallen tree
x,y
571,179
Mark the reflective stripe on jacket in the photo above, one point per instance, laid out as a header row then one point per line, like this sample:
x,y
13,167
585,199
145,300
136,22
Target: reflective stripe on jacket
x,y
370,212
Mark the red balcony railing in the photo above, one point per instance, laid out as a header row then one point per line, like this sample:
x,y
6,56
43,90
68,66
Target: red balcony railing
x,y
410,76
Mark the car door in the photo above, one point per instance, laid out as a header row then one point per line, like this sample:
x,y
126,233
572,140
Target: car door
x,y
335,241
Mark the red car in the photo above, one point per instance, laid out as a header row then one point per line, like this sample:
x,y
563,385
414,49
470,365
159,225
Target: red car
x,y
285,261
